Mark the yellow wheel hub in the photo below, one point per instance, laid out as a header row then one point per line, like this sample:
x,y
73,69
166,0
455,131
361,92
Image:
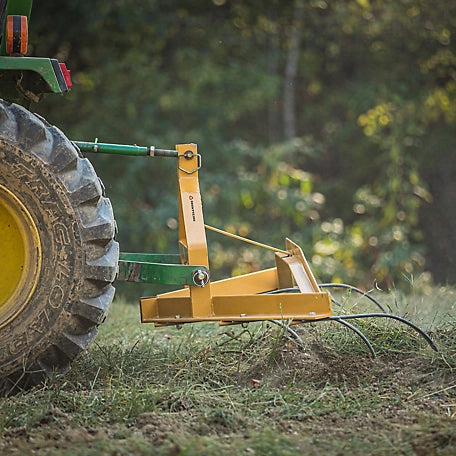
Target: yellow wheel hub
x,y
20,256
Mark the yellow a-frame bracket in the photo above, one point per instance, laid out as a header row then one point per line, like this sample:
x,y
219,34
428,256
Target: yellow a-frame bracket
x,y
238,299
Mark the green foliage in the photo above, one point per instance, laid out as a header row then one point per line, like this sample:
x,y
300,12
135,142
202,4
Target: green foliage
x,y
367,186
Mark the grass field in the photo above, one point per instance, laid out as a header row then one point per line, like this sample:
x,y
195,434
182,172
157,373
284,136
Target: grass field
x,y
206,389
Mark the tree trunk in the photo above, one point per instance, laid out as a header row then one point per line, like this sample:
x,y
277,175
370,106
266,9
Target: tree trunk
x,y
291,69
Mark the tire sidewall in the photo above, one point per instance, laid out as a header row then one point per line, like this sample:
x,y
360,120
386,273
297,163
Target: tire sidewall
x,y
49,204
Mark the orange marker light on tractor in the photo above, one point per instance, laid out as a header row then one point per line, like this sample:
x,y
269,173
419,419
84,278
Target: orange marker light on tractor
x,y
16,35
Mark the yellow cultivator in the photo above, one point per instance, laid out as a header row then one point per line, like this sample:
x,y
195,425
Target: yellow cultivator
x,y
238,299
286,293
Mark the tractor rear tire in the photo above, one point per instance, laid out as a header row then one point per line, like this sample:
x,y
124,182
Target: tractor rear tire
x,y
59,256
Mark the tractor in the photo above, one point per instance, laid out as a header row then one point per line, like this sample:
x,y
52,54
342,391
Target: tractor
x,y
58,238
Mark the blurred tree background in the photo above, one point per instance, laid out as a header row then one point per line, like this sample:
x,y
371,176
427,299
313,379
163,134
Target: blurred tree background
x,y
329,122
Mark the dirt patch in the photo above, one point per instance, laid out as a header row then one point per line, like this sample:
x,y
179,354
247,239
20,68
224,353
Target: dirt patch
x,y
313,364
157,427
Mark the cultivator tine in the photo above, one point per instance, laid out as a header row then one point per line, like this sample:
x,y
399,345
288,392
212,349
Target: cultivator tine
x,y
421,332
360,334
286,326
342,318
384,314
352,288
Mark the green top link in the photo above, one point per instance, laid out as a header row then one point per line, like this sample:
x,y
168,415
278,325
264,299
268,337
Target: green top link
x,y
124,149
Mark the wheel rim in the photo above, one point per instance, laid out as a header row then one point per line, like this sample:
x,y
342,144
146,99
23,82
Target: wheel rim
x,y
20,256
